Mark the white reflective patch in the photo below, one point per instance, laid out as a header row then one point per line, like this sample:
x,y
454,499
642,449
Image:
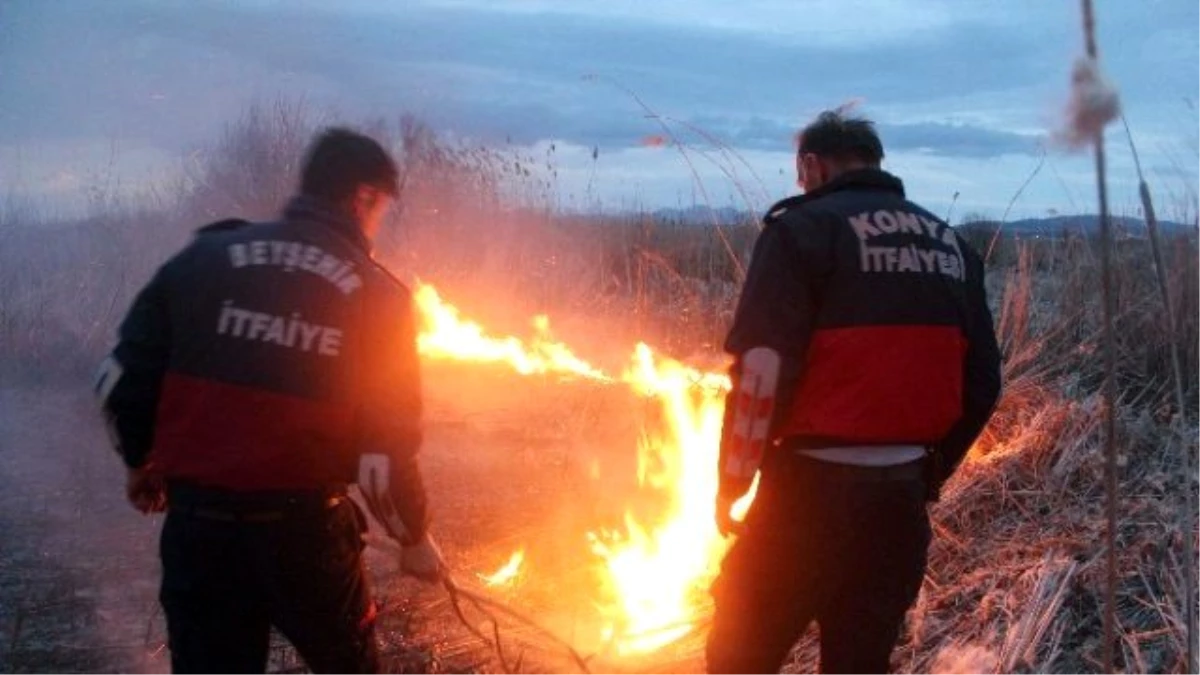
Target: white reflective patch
x,y
113,437
374,473
107,377
754,401
374,481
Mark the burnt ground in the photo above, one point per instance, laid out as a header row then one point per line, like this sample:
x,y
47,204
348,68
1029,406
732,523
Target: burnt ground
x,y
509,462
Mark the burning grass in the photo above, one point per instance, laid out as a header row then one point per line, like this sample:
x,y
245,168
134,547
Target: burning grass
x,y
1017,568
654,568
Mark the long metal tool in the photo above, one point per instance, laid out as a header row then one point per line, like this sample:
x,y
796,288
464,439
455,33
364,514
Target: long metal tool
x,y
1110,365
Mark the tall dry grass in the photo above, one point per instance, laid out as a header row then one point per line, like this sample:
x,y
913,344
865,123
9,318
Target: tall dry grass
x,y
1017,572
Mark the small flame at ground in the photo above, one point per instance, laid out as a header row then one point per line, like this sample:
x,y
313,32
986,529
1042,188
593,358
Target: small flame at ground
x,y
506,574
657,574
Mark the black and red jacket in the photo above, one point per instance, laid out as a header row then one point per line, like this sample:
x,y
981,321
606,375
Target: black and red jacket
x,y
878,310
270,356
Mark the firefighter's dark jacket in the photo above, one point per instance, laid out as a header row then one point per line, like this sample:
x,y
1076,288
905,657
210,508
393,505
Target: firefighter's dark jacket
x,y
270,356
879,312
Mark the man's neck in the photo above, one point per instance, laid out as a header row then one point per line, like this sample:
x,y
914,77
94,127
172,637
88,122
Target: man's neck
x,y
843,168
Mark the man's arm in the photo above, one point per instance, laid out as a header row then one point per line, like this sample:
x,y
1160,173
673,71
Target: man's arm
x,y
770,333
981,374
129,380
389,422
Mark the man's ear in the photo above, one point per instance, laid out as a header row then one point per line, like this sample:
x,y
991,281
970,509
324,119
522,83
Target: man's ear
x,y
364,199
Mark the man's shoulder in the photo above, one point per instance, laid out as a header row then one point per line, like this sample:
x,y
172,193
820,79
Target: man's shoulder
x,y
389,285
213,237
806,208
806,220
205,239
218,234
789,207
226,225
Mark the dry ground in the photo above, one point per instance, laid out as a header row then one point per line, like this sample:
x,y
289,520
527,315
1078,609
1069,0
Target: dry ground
x,y
516,462
79,568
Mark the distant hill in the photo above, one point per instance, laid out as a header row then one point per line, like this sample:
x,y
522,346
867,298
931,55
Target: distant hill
x,y
1027,227
1085,224
702,215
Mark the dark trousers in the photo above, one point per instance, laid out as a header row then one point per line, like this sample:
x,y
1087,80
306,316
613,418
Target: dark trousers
x,y
843,547
225,583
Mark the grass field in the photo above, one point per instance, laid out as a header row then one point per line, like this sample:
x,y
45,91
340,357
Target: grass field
x,y
1016,576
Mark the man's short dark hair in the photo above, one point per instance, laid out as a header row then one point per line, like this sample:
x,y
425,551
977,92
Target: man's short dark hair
x,y
838,137
340,161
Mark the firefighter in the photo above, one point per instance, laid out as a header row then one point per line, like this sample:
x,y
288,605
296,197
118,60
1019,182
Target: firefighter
x,y
262,370
865,366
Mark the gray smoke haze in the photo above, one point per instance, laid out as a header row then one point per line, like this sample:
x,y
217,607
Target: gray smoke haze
x,y
104,97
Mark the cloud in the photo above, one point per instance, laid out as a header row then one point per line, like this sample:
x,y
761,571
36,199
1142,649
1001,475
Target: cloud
x,y
433,56
944,139
834,26
957,140
947,80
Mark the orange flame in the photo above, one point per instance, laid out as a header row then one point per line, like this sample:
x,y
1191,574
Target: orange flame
x,y
447,335
657,573
506,574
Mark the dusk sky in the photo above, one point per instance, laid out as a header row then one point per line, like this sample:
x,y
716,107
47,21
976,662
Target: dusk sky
x,y
965,93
